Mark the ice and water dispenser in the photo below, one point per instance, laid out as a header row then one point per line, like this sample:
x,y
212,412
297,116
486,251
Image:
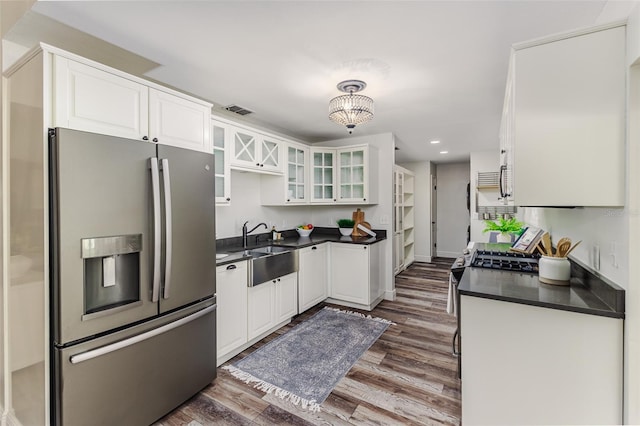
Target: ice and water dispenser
x,y
111,271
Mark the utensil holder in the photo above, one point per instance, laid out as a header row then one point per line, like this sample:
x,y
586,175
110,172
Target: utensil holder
x,y
554,270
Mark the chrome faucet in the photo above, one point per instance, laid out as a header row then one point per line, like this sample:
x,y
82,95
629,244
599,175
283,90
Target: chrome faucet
x,y
245,232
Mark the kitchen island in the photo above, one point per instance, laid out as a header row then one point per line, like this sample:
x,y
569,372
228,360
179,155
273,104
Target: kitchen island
x,y
534,353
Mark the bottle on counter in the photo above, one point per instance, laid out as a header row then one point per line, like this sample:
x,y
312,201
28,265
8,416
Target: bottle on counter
x,y
274,233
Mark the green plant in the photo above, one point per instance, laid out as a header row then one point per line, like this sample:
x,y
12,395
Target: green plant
x,y
511,226
345,223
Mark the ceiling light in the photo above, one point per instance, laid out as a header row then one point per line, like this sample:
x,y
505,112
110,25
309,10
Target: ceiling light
x,y
434,142
350,110
444,152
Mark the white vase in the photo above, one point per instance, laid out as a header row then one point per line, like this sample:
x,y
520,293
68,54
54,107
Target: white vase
x,y
345,232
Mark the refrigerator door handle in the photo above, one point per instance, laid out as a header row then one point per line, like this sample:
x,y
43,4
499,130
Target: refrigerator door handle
x,y
166,180
86,356
157,242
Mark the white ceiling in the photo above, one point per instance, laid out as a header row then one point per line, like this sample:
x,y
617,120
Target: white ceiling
x,y
435,69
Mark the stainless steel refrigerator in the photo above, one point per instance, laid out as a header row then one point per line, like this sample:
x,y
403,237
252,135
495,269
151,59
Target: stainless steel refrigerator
x,y
132,237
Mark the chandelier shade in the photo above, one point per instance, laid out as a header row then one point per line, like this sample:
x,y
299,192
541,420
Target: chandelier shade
x,y
351,110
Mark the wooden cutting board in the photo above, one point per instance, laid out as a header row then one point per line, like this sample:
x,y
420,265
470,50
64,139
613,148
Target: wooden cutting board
x,y
358,218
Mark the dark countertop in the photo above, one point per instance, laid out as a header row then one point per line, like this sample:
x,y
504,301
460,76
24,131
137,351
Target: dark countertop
x,y
587,293
233,246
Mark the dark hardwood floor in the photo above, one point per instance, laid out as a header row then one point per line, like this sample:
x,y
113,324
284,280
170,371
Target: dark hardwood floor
x,y
408,376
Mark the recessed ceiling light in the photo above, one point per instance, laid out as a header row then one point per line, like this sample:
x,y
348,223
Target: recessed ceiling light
x,y
444,152
434,142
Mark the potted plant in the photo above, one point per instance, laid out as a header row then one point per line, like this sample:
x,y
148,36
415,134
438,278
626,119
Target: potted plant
x,y
345,226
505,227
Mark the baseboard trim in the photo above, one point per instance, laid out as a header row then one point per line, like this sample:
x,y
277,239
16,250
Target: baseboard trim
x,y
453,254
390,295
423,259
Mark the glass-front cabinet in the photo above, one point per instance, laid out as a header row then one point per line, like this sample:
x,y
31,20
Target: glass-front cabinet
x,y
254,151
352,174
222,169
297,160
324,164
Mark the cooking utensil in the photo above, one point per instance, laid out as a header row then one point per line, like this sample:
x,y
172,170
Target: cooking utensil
x,y
546,243
571,249
563,247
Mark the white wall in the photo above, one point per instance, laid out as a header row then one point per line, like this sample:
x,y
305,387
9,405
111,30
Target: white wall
x,y
245,205
603,229
422,208
482,161
452,215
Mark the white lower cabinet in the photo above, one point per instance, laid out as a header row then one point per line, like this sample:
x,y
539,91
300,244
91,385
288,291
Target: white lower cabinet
x,y
355,277
271,303
231,289
313,280
526,364
286,292
262,309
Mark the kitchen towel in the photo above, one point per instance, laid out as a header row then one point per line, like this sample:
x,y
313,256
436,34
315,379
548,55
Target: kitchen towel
x,y
452,303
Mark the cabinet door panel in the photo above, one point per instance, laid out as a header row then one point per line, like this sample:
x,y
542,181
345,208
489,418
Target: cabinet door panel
x,y
179,122
570,119
313,277
261,315
93,100
231,289
350,273
286,297
220,142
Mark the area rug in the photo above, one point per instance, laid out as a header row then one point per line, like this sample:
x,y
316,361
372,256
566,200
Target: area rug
x,y
304,364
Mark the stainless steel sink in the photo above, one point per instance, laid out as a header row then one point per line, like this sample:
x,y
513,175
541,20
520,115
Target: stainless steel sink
x,y
269,263
271,249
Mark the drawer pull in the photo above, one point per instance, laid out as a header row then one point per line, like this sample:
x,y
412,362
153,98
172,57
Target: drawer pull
x,y
231,267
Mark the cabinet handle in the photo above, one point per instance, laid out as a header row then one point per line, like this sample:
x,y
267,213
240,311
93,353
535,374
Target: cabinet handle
x,y
365,247
231,267
261,165
228,199
334,199
278,279
364,199
288,200
155,140
145,138
314,248
273,281
257,164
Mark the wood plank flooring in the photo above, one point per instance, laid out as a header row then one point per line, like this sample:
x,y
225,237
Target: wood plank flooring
x,y
409,376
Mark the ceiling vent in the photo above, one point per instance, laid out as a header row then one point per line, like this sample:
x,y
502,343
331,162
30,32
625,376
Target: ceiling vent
x,y
238,110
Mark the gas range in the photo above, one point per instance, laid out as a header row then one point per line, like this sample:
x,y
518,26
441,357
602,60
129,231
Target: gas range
x,y
505,261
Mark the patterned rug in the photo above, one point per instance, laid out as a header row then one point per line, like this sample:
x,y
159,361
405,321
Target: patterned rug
x,y
304,364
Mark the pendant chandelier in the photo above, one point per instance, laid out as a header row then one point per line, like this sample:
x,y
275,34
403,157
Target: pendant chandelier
x,y
351,110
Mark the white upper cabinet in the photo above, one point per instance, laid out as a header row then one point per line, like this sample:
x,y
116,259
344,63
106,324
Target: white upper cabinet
x,y
95,98
323,163
219,140
90,99
355,185
251,150
292,187
569,122
178,122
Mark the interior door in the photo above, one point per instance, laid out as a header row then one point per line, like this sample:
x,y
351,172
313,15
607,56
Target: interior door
x,y
189,243
434,217
100,191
